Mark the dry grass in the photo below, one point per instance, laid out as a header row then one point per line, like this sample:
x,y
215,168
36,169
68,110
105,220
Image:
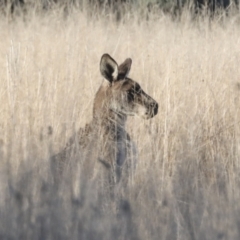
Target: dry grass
x,y
186,185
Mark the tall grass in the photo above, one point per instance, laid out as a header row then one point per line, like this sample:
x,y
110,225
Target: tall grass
x,y
186,183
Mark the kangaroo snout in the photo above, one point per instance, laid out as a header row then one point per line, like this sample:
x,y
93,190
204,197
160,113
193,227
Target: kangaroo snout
x,y
152,110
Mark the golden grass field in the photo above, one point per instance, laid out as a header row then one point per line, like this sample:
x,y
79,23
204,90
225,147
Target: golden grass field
x,y
186,183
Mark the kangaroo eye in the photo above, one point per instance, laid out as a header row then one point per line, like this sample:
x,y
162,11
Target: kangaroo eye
x,y
130,95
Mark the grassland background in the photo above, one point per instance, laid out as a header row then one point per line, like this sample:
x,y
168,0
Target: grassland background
x,y
186,184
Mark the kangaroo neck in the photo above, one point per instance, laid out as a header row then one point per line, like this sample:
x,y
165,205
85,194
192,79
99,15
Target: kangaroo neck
x,y
112,121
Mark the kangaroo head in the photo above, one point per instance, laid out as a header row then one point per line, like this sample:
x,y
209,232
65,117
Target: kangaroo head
x,y
121,94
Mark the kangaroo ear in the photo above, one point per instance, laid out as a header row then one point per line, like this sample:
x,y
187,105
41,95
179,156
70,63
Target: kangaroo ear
x,y
124,68
108,68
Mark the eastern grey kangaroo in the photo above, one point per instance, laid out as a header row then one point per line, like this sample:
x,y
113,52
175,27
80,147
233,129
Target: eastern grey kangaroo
x,y
104,143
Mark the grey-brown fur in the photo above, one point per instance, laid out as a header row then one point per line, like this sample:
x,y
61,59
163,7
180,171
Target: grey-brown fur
x,y
104,145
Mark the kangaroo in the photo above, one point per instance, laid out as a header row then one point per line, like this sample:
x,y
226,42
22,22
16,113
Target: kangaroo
x,y
105,141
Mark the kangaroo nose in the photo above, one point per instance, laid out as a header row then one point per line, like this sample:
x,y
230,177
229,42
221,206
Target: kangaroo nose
x,y
154,107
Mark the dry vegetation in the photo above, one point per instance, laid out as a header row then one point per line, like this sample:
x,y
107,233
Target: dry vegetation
x,y
186,184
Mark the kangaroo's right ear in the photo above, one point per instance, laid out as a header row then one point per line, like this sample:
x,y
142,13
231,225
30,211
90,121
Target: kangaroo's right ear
x,y
108,68
124,68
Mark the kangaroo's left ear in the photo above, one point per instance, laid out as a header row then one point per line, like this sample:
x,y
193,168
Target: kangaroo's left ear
x,y
124,69
108,68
